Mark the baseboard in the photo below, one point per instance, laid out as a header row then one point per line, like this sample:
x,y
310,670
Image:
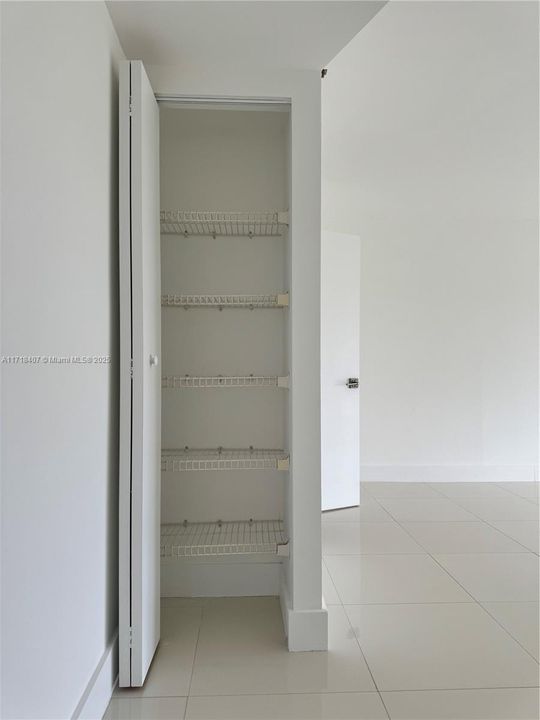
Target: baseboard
x,y
306,630
222,579
448,473
97,693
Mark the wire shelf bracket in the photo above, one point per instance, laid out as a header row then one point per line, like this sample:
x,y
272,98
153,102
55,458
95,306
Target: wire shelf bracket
x,y
188,459
220,302
206,223
224,381
224,538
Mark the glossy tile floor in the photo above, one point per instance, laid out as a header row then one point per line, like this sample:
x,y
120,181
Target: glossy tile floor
x,y
432,594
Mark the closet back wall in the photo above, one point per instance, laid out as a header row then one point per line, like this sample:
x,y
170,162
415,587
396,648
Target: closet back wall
x,y
224,160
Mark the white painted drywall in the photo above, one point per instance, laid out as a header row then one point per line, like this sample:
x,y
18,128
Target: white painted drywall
x,y
59,297
430,140
224,159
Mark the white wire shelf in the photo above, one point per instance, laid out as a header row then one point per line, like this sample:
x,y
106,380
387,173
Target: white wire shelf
x,y
224,538
223,224
250,302
224,381
223,459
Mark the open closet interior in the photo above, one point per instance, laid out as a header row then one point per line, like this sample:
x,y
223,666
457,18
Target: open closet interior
x,y
224,196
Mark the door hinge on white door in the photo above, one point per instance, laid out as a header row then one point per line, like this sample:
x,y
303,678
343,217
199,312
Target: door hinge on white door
x,y
131,367
130,637
130,106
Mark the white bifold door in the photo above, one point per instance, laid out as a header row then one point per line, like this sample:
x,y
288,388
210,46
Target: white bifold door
x,y
140,386
340,361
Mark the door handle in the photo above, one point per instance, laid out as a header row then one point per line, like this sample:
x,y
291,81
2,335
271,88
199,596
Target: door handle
x,y
153,360
352,383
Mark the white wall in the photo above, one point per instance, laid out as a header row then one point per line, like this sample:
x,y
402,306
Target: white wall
x,y
59,297
214,159
430,137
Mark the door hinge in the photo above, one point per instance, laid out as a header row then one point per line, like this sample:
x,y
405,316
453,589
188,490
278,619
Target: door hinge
x,y
131,367
130,637
130,106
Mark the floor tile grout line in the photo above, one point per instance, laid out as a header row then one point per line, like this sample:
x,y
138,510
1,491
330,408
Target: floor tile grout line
x,y
530,500
506,629
452,502
513,602
474,518
477,519
383,704
525,551
458,502
332,581
499,484
534,482
438,563
425,483
494,527
488,522
358,522
473,599
482,497
194,659
364,657
439,602
426,602
478,602
292,692
432,486
357,642
461,689
146,697
402,496
423,602
442,494
331,692
374,499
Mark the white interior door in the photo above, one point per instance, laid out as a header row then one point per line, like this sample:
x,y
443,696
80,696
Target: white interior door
x,y
140,386
340,364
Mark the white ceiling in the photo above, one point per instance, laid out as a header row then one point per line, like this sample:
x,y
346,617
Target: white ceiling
x,y
275,34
